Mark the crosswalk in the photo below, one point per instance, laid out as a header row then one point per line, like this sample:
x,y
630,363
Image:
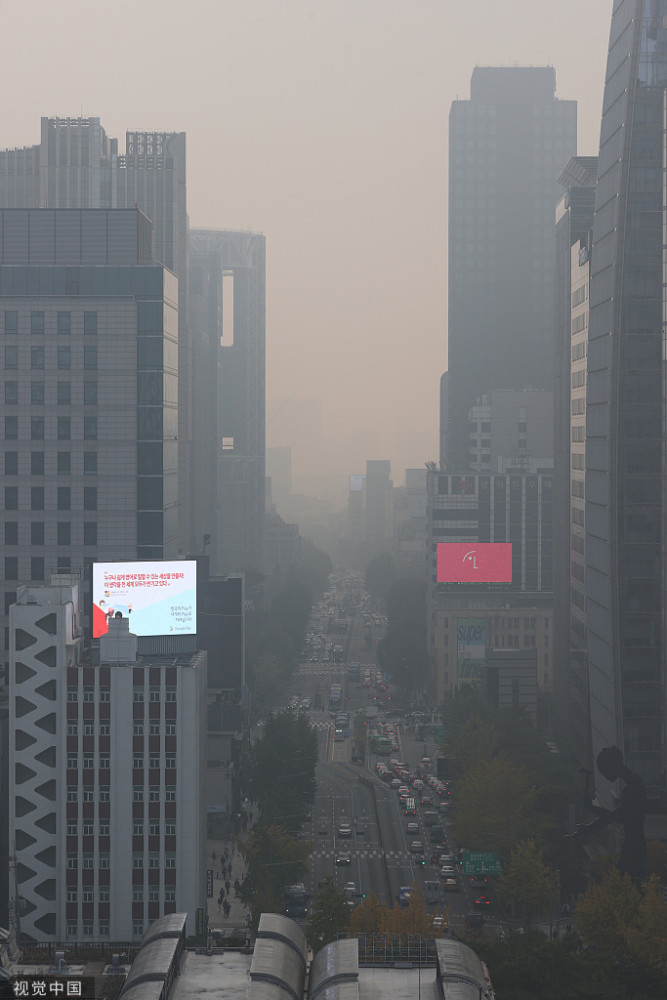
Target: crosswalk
x,y
327,853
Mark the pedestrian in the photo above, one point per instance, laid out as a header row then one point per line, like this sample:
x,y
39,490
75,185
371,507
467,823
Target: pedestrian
x,y
227,885
226,908
214,855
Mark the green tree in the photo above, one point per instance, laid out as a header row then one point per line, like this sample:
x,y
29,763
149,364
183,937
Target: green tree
x,y
282,769
527,884
496,807
329,915
273,859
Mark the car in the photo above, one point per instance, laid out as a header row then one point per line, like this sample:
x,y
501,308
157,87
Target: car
x,y
296,910
404,895
417,847
446,859
323,826
426,801
344,829
412,828
439,922
395,783
479,881
426,761
451,885
482,901
418,784
350,889
343,859
448,871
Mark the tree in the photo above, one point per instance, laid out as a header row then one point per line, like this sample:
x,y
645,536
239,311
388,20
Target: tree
x,y
414,920
273,858
627,929
329,915
282,769
496,807
528,885
367,917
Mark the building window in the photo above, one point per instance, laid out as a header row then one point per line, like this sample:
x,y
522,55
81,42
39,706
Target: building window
x,y
105,695
36,463
72,762
170,895
88,829
170,830
88,862
154,829
170,793
138,894
138,761
87,929
64,358
105,729
11,567
104,793
37,498
64,322
154,793
153,895
90,393
137,794
64,498
137,929
154,762
36,567
138,729
88,729
90,498
138,829
89,695
11,393
72,895
37,321
154,861
11,463
11,356
104,829
37,393
72,694
171,760
11,321
88,793
63,533
64,463
72,861
90,322
72,930
64,427
11,532
11,498
90,357
104,895
11,428
154,693
90,428
73,729
104,930
37,358
170,861
104,859
154,729
170,694
138,694
138,861
90,463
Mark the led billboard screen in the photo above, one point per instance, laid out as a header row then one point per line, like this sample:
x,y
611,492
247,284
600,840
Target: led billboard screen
x,y
159,598
474,562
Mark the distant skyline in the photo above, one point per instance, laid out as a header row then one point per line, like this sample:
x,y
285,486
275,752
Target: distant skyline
x,y
322,124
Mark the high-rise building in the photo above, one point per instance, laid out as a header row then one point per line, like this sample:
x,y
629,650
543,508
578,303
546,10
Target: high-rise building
x,y
626,485
228,319
574,223
89,342
507,147
107,776
76,165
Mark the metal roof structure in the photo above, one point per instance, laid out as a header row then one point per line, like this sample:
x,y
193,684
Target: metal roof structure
x,y
334,966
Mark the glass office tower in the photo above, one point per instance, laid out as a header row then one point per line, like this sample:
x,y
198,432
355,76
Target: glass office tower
x,y
625,414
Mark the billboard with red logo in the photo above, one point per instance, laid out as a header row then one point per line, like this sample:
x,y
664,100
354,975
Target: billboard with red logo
x,y
474,562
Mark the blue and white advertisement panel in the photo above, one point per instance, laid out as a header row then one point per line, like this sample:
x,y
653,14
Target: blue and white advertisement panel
x,y
159,598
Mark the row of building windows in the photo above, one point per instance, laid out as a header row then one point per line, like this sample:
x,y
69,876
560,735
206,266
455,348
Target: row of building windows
x,y
578,378
13,460
579,350
38,535
155,829
63,426
578,406
38,322
88,793
155,693
139,761
90,729
63,356
63,498
63,393
154,792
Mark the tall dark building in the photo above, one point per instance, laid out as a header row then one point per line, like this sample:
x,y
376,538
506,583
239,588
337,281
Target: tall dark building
x,y
626,437
507,147
574,224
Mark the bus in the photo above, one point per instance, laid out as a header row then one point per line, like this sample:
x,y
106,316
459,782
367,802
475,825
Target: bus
x,y
335,699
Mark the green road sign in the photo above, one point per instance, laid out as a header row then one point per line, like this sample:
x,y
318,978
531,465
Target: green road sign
x,y
479,863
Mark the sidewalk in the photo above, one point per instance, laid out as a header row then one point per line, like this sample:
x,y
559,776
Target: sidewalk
x,y
236,920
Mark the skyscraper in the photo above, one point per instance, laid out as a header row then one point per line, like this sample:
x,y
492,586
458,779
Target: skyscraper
x,y
626,490
507,147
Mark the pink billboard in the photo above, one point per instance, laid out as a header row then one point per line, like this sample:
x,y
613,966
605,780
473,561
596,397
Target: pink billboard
x,y
474,562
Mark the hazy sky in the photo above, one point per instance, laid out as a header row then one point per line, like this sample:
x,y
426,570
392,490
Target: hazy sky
x,y
322,124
